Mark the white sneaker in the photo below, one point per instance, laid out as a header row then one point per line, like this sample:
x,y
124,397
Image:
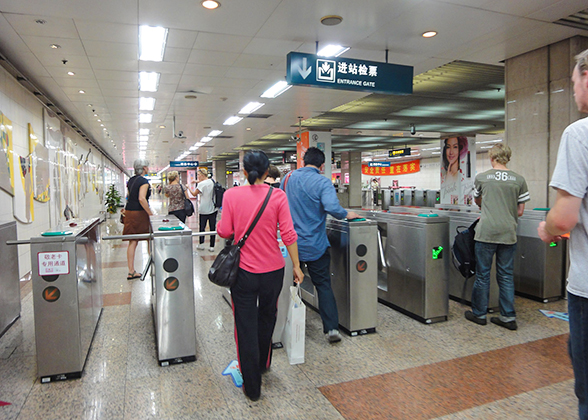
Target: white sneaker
x,y
333,336
201,246
211,249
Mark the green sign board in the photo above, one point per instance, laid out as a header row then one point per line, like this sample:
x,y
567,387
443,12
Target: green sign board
x,y
348,74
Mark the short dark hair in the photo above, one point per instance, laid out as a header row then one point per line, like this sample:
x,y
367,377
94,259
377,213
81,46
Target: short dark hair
x,y
274,172
314,156
255,163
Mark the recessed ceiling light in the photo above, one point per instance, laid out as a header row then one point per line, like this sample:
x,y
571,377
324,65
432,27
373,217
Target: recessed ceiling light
x,y
162,126
214,133
143,131
146,104
276,90
81,91
429,34
205,139
148,81
152,42
143,138
210,4
145,118
250,107
332,50
232,120
55,46
248,129
99,120
331,20
71,73
190,97
101,125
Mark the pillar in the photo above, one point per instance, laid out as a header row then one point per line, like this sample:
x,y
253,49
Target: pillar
x,y
319,139
219,171
355,179
539,106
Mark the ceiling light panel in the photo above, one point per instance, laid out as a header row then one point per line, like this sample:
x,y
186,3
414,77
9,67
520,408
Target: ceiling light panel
x,y
148,81
332,51
146,104
276,90
152,42
214,133
145,118
251,107
232,120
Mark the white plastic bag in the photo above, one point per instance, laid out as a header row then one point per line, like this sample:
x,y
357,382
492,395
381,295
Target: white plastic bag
x,y
295,327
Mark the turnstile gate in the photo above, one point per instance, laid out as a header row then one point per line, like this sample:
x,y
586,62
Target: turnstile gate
x,y
172,287
9,280
67,296
353,275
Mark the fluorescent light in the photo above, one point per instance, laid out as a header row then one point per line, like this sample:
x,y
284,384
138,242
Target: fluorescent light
x,y
276,90
210,4
214,133
148,81
251,107
436,153
146,104
232,120
194,147
142,147
199,144
332,51
143,131
152,42
429,34
145,118
205,139
71,73
81,91
143,138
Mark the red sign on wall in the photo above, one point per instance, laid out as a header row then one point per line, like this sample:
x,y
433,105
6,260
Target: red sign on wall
x,y
394,169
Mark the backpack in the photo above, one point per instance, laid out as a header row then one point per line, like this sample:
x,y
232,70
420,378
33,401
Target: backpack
x,y
463,250
217,194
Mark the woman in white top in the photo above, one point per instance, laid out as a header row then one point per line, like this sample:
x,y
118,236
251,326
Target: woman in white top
x,y
206,209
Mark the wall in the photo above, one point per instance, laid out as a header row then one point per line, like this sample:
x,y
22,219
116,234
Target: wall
x,y
22,108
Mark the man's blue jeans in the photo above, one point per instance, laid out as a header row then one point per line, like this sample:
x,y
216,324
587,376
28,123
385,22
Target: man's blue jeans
x,y
504,276
320,274
578,347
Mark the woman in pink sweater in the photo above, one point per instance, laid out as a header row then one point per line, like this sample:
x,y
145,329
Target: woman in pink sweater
x,y
261,267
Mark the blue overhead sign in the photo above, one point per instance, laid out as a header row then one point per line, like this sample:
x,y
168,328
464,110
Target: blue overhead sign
x,y
183,164
379,164
348,74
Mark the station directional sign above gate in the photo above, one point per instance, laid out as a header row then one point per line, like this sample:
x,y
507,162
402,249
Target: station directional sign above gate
x,y
348,74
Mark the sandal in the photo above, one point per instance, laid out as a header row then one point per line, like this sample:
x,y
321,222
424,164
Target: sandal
x,y
134,275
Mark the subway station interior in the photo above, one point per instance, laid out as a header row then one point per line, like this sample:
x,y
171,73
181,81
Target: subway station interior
x,y
87,88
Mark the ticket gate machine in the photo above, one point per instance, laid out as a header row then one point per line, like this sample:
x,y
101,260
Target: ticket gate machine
x,y
66,274
406,197
418,198
353,275
431,198
386,197
9,280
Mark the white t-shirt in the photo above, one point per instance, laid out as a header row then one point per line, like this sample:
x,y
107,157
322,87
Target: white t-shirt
x,y
206,206
571,175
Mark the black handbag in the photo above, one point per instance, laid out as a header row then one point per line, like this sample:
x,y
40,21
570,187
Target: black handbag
x,y
226,264
188,206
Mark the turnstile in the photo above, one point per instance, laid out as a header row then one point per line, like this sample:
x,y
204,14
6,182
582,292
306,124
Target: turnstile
x,y
9,280
172,287
431,198
418,198
539,268
353,275
396,198
386,198
406,197
413,263
283,298
67,296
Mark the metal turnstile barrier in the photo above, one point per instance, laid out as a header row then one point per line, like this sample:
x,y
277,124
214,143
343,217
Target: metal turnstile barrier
x,y
386,199
353,275
9,280
172,287
539,268
67,296
413,263
418,198
431,198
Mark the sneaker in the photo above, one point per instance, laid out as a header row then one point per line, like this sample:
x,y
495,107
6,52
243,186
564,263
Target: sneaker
x,y
469,315
201,246
211,249
510,325
333,336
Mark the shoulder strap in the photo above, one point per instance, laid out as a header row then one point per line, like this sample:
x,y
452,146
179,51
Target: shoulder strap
x,y
286,180
259,213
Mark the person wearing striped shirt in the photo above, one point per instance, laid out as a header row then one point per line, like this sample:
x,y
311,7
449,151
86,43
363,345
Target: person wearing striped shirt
x,y
501,194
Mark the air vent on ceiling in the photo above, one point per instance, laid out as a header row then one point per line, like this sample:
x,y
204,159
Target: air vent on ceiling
x,y
577,20
223,137
259,115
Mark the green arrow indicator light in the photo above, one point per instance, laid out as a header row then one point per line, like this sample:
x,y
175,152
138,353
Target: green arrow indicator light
x,y
437,252
553,244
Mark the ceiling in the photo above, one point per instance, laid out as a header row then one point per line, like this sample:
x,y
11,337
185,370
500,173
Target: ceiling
x,y
227,57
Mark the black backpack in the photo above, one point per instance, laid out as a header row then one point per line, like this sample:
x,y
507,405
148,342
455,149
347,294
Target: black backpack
x,y
464,250
217,194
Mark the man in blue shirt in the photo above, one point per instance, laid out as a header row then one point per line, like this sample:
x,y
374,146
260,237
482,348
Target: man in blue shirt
x,y
311,196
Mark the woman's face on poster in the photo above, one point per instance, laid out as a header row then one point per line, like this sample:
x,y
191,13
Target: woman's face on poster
x,y
452,150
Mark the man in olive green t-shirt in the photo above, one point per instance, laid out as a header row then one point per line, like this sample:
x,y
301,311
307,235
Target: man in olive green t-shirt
x,y
501,193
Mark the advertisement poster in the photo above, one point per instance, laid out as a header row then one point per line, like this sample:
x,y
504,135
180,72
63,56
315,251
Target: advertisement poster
x,y
458,170
22,204
301,147
190,178
6,166
40,162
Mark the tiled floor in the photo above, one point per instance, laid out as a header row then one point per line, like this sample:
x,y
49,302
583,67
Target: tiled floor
x,y
407,370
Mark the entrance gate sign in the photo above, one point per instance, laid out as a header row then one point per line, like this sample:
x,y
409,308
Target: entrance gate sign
x,y
348,74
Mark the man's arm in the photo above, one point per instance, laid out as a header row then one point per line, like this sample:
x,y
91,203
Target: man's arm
x,y
520,209
562,217
478,201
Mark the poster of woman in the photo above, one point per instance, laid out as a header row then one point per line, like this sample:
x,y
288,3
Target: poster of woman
x,y
457,170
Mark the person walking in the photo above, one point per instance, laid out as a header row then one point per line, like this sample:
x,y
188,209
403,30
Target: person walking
x,y
312,197
137,212
206,210
176,194
501,193
570,214
261,266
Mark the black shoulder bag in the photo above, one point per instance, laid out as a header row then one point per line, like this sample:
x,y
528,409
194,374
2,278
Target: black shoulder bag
x,y
226,265
188,206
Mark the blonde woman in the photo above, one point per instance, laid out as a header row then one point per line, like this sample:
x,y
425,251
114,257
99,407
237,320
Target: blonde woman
x,y
176,194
